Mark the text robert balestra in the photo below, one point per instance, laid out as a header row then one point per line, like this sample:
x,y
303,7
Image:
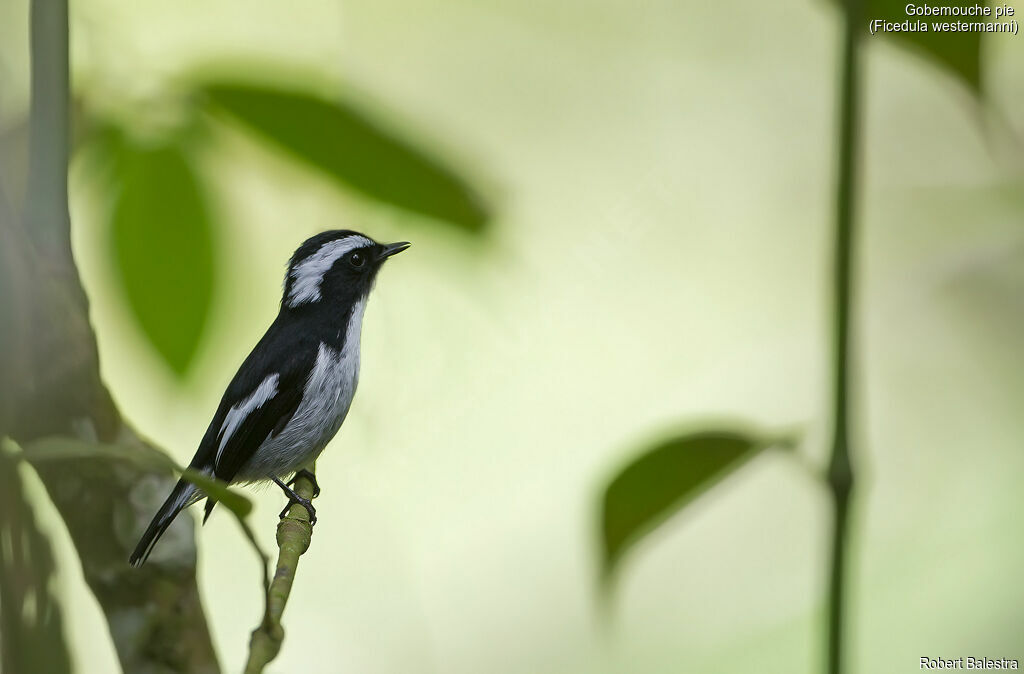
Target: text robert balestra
x,y
969,663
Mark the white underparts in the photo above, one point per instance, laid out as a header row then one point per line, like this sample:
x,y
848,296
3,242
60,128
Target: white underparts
x,y
308,274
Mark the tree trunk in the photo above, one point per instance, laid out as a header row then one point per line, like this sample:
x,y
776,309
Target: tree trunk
x,y
52,386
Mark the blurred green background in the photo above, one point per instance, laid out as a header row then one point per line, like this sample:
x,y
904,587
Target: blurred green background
x,y
661,181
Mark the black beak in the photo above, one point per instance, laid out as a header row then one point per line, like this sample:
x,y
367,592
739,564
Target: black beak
x,y
392,249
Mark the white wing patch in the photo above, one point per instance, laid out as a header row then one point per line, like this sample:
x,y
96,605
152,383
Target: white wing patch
x,y
309,274
243,408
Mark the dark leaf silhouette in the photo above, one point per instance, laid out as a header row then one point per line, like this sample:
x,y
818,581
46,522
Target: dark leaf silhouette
x,y
59,449
339,140
959,53
666,478
163,243
31,621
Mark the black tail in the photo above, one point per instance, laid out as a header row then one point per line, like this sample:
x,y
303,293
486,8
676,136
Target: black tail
x,y
180,498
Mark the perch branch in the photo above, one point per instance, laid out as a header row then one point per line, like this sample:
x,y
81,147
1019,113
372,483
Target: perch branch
x,y
294,533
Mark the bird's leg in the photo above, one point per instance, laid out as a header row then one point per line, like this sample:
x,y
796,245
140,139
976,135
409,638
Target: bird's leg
x,y
295,498
302,472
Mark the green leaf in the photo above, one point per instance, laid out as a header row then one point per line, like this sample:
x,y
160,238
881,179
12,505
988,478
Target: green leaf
x,y
232,500
31,619
664,479
163,244
63,449
342,142
958,53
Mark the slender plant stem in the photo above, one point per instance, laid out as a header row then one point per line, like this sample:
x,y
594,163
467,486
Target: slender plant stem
x,y
46,212
840,470
294,533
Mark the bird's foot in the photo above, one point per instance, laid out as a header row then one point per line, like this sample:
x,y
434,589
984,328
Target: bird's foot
x,y
295,498
309,476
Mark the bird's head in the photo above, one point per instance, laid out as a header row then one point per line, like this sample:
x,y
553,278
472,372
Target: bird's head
x,y
335,267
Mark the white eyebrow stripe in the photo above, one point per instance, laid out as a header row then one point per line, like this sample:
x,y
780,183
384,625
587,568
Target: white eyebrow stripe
x,y
243,408
309,274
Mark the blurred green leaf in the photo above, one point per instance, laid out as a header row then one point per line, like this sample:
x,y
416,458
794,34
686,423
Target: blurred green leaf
x,y
230,499
163,244
339,140
63,449
666,478
31,620
959,53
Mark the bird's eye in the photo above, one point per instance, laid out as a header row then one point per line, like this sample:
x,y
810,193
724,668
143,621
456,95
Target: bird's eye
x,y
357,260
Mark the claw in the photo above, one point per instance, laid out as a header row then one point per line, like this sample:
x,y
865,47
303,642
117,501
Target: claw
x,y
305,504
309,476
295,498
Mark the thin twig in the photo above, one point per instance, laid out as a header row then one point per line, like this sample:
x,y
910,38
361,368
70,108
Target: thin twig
x,y
294,533
46,210
840,470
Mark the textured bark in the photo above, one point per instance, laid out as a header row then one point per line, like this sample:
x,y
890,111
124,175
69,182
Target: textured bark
x,y
154,613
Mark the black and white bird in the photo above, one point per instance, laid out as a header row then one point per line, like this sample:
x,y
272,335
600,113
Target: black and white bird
x,y
292,393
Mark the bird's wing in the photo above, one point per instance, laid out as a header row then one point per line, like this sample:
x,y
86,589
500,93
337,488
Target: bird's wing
x,y
260,400
238,431
253,419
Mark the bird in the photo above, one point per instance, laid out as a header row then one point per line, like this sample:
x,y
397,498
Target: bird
x,y
292,393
